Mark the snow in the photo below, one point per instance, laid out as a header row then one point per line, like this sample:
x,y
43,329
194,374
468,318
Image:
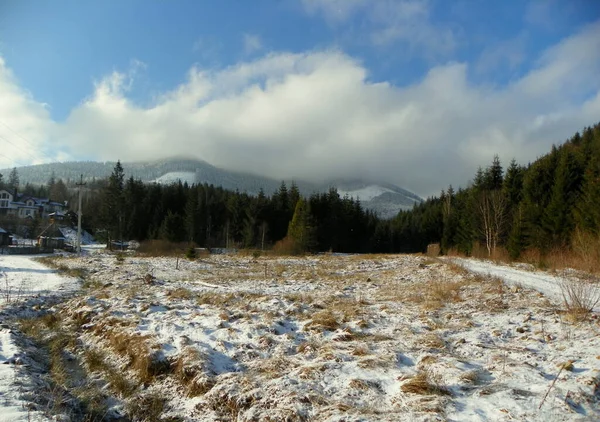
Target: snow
x,y
70,235
254,330
175,176
547,284
324,338
21,278
367,193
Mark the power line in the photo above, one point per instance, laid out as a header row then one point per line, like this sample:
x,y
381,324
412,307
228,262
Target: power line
x,y
18,134
11,160
25,139
17,147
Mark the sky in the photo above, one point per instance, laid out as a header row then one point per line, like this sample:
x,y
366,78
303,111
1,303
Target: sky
x,y
418,93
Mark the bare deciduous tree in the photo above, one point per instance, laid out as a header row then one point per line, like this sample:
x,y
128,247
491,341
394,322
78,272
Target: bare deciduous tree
x,y
492,207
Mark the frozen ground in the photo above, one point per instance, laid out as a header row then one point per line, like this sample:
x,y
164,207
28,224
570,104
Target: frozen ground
x,y
326,338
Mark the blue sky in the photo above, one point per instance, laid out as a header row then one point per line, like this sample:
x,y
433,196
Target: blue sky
x,y
298,88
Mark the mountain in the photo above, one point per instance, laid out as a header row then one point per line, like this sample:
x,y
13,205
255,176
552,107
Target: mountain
x,y
383,198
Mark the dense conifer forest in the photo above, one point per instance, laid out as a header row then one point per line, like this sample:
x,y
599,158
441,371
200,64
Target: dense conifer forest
x,y
552,203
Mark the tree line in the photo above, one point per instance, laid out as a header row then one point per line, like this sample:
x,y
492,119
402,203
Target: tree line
x,y
211,216
546,205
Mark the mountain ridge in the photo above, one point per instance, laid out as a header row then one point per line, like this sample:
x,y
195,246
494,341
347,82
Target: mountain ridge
x,y
383,198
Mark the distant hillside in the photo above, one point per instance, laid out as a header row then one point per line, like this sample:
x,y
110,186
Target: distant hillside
x,y
385,199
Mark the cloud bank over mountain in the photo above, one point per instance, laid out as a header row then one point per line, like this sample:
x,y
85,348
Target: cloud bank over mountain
x,y
318,115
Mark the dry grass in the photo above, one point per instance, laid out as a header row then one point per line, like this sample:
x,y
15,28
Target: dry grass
x,y
323,320
162,248
432,341
180,293
144,358
190,369
147,407
95,359
470,377
424,383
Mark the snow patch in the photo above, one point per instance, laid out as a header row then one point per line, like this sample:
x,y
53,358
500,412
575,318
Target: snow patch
x,y
176,176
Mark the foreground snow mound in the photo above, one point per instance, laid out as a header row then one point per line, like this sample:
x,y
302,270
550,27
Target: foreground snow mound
x,y
328,338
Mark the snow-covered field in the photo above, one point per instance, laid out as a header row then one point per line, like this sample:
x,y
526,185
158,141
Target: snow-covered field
x,y
324,338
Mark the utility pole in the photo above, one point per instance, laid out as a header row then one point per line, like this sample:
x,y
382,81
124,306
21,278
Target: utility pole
x,y
80,184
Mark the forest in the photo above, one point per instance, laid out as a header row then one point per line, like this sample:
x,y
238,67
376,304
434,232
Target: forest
x,y
550,204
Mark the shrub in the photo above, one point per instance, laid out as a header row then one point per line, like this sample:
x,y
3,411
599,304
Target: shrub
x,y
580,298
158,247
286,246
191,253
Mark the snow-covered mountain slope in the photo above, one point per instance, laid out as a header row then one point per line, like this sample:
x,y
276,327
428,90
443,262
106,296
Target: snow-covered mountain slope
x,y
176,176
367,193
383,198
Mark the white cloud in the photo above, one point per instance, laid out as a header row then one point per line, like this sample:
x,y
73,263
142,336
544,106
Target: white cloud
x,y
316,115
408,22
252,43
24,124
505,55
405,23
335,11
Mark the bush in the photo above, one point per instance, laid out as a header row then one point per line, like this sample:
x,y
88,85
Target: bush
x,y
162,248
286,246
191,253
580,298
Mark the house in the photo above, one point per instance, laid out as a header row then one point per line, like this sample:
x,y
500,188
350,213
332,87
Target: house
x,y
24,206
6,203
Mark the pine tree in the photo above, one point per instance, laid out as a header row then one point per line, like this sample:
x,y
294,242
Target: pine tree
x,y
516,239
173,228
13,180
513,183
493,176
301,230
558,217
587,210
112,204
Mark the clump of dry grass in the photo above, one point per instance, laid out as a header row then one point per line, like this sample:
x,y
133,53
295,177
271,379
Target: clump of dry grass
x,y
120,384
191,370
432,341
427,360
144,358
470,377
95,359
147,407
360,350
323,320
424,383
580,298
361,384
274,367
180,293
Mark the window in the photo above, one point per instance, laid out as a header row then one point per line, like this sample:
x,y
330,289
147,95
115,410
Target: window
x,y
4,204
4,195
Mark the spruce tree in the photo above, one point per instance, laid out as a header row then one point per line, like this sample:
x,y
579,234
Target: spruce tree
x,y
13,180
113,204
587,209
301,230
